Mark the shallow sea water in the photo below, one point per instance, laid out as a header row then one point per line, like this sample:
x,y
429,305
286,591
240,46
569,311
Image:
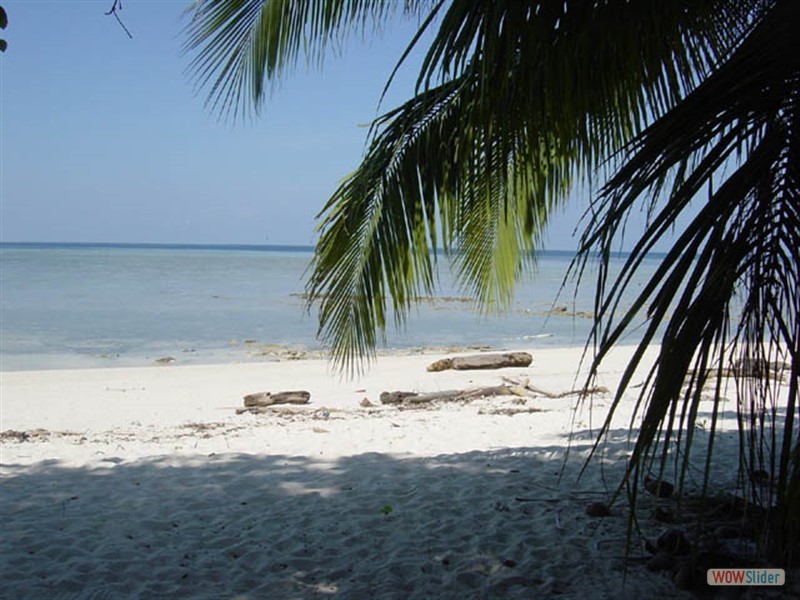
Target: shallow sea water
x,y
78,305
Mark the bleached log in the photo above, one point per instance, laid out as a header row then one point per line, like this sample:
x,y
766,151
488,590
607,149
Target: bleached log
x,y
413,398
483,361
268,399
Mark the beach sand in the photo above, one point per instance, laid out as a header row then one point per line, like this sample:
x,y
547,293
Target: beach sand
x,y
145,483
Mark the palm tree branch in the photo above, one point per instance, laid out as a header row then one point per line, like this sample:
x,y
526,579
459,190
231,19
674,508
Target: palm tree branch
x,y
749,230
238,46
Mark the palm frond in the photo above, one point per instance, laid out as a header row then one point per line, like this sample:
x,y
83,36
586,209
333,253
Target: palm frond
x,y
741,248
408,196
514,104
239,46
3,25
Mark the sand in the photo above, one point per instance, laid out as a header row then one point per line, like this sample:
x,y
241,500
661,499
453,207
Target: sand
x,y
144,483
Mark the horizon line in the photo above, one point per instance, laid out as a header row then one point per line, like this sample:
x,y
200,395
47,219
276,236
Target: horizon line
x,y
218,245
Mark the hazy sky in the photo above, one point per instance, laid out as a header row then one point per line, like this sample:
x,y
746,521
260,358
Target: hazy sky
x,y
103,138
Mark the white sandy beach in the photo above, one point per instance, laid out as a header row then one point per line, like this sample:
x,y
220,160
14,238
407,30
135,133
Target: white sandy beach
x,y
144,483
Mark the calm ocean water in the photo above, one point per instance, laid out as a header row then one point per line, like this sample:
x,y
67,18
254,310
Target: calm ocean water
x,y
90,305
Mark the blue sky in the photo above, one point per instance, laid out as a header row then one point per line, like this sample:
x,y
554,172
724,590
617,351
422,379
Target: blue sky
x,y
104,139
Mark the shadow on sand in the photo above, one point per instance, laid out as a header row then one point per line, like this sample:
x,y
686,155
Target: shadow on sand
x,y
508,523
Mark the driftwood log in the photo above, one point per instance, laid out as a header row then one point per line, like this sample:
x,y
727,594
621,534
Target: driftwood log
x,y
413,398
268,399
483,361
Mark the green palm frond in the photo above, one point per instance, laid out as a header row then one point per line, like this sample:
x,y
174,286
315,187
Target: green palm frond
x,y
417,188
513,106
239,46
515,102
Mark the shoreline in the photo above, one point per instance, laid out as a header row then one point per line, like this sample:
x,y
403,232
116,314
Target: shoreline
x,y
147,479
235,351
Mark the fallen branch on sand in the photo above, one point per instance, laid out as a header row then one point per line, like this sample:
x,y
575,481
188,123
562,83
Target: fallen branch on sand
x,y
414,398
525,384
521,389
483,361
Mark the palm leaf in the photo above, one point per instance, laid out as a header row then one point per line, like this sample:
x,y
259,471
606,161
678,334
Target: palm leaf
x,y
3,25
746,235
381,224
238,46
511,108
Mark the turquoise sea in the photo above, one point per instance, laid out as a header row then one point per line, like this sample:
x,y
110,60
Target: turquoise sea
x,y
94,305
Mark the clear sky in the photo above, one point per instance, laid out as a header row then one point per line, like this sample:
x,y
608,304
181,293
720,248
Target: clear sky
x,y
104,139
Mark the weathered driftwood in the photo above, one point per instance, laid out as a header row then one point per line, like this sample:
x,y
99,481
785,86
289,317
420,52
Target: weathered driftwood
x,y
413,398
599,389
525,385
268,399
483,361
